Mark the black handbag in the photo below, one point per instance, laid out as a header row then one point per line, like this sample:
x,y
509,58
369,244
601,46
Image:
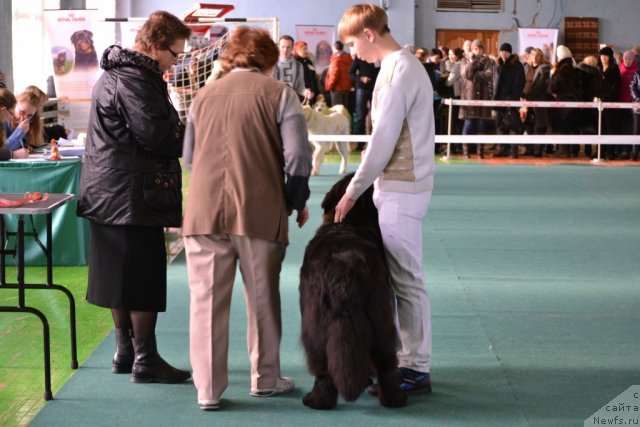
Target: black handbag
x,y
511,119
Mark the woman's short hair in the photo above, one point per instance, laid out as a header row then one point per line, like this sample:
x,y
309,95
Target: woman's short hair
x,y
160,31
297,46
250,47
540,52
590,60
361,16
459,53
421,54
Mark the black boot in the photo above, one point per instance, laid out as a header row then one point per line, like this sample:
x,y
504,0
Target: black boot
x,y
123,358
480,151
514,152
634,153
465,151
149,367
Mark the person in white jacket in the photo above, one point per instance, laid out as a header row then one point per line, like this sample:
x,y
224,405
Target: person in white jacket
x,y
399,161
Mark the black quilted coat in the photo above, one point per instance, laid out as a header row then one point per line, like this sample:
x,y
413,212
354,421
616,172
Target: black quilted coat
x,y
130,170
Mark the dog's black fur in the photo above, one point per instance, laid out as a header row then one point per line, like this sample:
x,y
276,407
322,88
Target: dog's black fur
x,y
345,298
85,53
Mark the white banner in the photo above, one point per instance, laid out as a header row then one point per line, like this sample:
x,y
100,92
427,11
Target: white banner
x,y
128,32
75,56
319,38
545,39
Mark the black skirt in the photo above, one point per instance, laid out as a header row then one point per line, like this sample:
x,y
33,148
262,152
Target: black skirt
x,y
127,267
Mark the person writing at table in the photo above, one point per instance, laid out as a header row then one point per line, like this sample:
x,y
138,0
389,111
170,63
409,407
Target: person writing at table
x,y
27,129
7,106
130,189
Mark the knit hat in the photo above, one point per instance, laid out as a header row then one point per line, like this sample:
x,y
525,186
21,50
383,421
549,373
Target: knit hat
x,y
506,47
563,52
478,43
629,54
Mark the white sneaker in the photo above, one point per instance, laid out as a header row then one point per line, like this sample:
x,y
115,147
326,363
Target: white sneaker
x,y
209,405
283,385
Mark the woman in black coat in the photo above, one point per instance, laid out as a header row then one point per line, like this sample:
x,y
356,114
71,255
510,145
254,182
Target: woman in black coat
x,y
301,53
130,189
608,90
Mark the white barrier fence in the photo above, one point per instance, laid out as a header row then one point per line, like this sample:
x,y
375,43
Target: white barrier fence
x,y
449,139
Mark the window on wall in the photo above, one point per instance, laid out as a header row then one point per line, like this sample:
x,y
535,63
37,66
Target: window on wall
x,y
469,5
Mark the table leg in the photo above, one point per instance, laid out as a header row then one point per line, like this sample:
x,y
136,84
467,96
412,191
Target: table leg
x,y
3,242
72,303
48,395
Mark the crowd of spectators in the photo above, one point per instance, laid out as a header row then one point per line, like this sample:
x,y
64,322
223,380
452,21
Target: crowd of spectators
x,y
466,73
469,73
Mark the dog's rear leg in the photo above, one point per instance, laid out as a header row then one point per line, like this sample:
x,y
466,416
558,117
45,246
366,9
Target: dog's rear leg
x,y
324,394
384,358
389,394
343,149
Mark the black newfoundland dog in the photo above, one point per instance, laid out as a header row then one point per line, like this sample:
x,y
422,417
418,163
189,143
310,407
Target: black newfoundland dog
x,y
345,298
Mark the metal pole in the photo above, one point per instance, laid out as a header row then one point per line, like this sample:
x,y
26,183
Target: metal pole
x,y
449,129
599,159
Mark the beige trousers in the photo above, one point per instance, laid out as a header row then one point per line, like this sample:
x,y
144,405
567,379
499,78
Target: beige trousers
x,y
211,264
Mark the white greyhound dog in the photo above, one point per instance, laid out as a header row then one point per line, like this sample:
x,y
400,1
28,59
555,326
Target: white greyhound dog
x,y
336,122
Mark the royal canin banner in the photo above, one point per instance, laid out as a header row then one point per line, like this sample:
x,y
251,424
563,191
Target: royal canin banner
x,y
75,51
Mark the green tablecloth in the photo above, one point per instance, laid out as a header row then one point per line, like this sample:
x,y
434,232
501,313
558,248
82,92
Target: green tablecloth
x,y
70,233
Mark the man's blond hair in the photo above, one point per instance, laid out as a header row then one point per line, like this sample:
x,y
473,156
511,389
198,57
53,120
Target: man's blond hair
x,y
361,16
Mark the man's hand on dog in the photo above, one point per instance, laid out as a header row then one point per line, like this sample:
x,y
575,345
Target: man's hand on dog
x,y
343,207
302,217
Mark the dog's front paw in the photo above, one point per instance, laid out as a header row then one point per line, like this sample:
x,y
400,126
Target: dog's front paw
x,y
392,399
315,400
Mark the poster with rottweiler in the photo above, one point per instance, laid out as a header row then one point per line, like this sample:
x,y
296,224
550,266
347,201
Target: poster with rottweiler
x,y
75,58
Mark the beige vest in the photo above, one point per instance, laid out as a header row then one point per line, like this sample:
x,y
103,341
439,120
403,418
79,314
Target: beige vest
x,y
237,178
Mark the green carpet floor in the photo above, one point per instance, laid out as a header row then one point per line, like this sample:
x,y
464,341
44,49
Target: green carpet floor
x,y
534,277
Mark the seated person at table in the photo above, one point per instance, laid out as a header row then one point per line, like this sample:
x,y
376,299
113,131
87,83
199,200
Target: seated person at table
x,y
52,131
26,130
7,105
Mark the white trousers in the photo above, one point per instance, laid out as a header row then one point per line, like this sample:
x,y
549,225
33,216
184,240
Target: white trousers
x,y
400,216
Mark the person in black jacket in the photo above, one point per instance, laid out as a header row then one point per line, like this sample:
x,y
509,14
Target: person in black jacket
x,y
130,189
509,86
608,90
364,74
563,86
301,53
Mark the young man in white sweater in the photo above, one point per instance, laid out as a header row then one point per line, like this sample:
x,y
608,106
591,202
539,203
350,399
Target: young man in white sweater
x,y
399,161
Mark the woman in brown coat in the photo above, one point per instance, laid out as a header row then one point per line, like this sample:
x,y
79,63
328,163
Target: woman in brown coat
x,y
477,84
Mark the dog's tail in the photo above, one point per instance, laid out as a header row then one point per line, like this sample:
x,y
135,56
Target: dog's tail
x,y
348,349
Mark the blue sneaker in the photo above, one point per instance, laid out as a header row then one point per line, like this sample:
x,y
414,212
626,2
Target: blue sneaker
x,y
413,381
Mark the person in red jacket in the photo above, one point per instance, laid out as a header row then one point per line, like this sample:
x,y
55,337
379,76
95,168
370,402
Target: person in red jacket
x,y
338,81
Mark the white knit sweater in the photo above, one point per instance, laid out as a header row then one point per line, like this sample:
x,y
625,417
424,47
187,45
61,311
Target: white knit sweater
x,y
400,156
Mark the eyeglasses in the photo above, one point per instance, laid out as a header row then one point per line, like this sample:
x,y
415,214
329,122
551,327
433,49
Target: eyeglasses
x,y
24,114
175,55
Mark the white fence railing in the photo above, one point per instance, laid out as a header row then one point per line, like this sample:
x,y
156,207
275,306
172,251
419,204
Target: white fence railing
x,y
449,139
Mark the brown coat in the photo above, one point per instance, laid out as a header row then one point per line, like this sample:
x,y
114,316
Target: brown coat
x,y
237,182
477,84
